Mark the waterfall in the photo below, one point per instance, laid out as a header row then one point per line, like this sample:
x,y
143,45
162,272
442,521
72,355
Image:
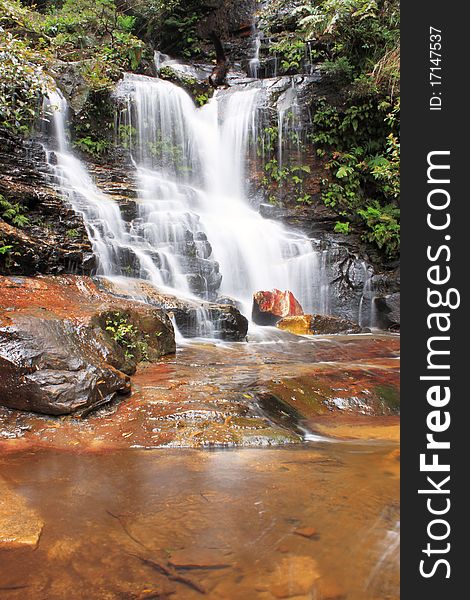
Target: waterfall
x,y
254,63
367,314
119,249
190,163
194,230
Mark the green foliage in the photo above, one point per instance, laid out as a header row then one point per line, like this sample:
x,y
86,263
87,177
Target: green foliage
x,y
355,127
291,51
127,336
127,135
21,73
361,30
292,175
342,227
13,213
94,30
383,225
73,233
91,146
202,99
341,70
5,249
172,25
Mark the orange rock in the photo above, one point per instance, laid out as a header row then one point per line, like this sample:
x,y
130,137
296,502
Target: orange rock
x,y
271,306
294,576
299,324
307,532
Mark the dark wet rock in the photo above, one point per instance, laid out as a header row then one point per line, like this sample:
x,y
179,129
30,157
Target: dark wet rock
x,y
318,324
53,240
60,348
192,317
389,310
269,307
46,367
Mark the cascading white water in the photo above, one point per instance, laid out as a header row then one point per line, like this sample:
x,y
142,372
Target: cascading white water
x,y
367,313
194,230
119,250
254,63
191,168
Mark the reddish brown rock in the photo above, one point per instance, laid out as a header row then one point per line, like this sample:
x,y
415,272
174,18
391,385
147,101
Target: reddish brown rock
x,y
61,348
307,532
269,307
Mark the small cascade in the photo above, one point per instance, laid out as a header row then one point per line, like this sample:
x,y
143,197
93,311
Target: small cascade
x,y
254,63
367,314
289,122
309,64
119,251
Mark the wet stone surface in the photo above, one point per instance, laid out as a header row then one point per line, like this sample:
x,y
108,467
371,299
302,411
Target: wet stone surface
x,y
238,394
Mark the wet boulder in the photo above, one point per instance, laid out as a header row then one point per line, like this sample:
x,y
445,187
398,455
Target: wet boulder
x,y
45,367
269,307
318,324
66,347
193,318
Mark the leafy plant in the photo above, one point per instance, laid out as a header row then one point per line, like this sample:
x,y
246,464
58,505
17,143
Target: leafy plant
x,y
291,51
384,226
342,227
202,99
134,343
91,146
14,213
123,333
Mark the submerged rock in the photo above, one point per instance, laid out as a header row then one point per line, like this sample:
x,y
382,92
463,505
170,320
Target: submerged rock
x,y
20,526
317,324
66,347
270,307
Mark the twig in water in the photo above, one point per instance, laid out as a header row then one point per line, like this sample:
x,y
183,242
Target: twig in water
x,y
124,528
170,573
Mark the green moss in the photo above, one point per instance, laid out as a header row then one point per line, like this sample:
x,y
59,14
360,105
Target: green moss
x,y
390,396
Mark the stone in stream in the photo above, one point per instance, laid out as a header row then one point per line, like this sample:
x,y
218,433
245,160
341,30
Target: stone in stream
x,y
67,347
194,318
269,307
294,576
20,526
317,324
306,532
